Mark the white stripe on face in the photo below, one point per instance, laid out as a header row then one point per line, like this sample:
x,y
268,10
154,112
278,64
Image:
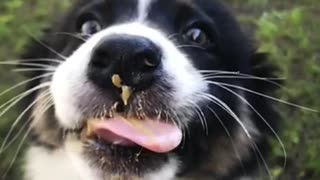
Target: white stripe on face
x,y
143,9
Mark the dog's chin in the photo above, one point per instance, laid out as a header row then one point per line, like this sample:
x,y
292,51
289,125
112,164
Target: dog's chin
x,y
131,161
124,158
115,155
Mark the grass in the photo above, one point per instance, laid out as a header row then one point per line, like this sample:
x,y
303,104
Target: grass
x,y
289,32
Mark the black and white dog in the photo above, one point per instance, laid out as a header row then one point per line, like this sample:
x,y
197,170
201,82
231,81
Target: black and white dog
x,y
148,90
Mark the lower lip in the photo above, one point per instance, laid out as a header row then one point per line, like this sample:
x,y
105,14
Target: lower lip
x,y
114,139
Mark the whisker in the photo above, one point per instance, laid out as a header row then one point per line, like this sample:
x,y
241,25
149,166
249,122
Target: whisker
x,y
190,46
21,130
268,97
208,72
227,109
17,61
201,120
229,136
183,127
242,77
33,70
169,117
19,97
263,119
27,64
10,101
77,36
265,164
218,71
23,83
47,46
17,153
176,123
20,117
20,146
201,117
5,147
224,106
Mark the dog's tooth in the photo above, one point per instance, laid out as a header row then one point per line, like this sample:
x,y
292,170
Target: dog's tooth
x,y
116,80
126,93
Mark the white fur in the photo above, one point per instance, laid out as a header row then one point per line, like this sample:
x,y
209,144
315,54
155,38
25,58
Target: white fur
x,y
167,172
245,116
68,163
143,9
53,165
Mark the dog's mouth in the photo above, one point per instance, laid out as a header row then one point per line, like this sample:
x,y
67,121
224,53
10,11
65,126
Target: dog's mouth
x,y
129,146
133,134
123,130
154,135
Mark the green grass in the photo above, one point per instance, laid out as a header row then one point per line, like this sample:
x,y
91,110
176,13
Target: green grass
x,y
288,30
19,19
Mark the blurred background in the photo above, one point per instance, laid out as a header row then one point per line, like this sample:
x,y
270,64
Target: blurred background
x,y
287,29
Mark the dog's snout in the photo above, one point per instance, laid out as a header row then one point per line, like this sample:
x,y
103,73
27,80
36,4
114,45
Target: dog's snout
x,y
136,59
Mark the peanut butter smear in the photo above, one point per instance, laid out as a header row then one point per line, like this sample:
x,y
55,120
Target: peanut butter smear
x,y
126,90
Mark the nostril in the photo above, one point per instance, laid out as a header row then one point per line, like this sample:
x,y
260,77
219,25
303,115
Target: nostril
x,y
147,60
151,62
100,59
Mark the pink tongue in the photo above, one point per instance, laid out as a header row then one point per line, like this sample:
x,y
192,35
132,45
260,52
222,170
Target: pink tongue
x,y
153,135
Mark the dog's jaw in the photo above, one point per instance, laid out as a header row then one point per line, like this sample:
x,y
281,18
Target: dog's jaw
x,y
68,163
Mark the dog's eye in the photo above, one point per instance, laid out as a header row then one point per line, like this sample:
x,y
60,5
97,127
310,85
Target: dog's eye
x,y
197,36
90,27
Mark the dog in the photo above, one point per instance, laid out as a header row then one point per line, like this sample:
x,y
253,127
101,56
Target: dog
x,y
148,90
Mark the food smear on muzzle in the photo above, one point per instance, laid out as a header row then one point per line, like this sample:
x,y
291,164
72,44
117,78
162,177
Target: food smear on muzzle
x,y
151,134
126,94
116,80
126,90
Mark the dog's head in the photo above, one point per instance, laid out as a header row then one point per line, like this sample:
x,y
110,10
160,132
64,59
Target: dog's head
x,y
149,88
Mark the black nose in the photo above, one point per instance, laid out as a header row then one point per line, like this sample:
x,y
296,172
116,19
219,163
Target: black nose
x,y
136,59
